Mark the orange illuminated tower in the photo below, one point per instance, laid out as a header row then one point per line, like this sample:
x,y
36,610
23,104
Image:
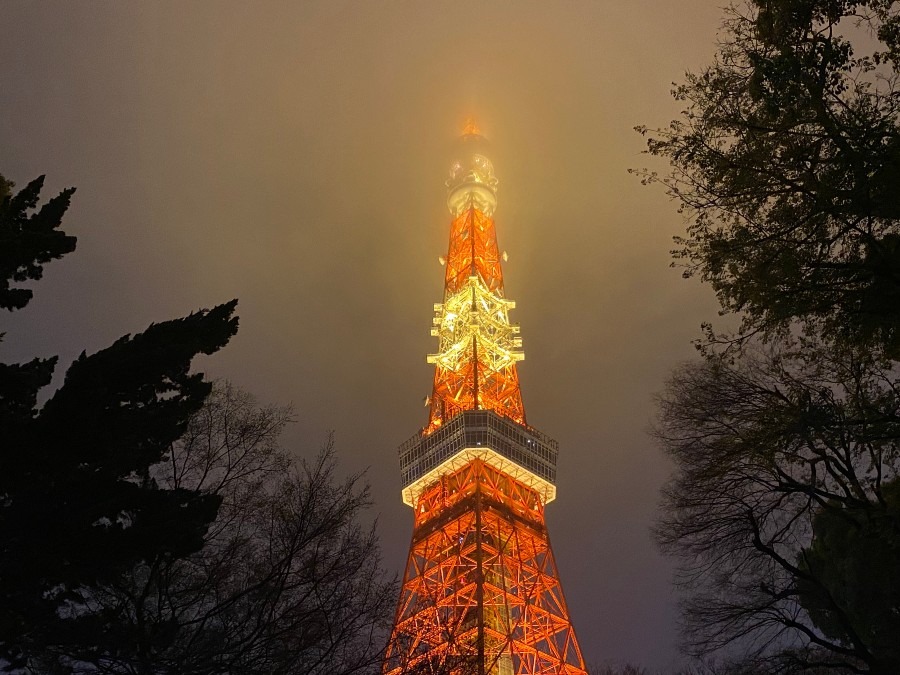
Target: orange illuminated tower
x,y
481,593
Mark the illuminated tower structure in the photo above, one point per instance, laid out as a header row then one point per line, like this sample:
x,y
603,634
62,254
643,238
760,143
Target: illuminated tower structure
x,y
481,593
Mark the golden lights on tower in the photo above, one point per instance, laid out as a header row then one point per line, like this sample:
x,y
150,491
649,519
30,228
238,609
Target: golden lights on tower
x,y
478,347
481,592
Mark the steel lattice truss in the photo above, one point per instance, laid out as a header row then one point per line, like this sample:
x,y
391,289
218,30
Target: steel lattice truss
x,y
477,345
481,592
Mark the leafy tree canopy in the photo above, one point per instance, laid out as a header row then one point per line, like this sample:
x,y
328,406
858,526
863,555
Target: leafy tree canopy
x,y
787,158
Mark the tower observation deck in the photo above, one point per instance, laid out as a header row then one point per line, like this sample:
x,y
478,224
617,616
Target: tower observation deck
x,y
481,592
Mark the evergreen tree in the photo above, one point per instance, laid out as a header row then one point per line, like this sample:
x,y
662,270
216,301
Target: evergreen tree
x,y
78,503
29,240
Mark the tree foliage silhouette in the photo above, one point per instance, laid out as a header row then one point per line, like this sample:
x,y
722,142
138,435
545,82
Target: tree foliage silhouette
x,y
779,455
287,579
785,437
29,240
78,504
787,157
855,558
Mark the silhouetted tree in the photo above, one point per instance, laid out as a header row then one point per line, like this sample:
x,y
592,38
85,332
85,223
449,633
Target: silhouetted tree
x,y
855,557
787,157
786,458
78,504
29,239
287,580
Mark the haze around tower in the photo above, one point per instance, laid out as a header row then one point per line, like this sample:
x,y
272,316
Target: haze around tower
x,y
294,155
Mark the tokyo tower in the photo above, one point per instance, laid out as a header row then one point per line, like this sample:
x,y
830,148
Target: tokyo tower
x,y
481,593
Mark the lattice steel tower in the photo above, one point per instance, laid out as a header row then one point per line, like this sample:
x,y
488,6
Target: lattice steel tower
x,y
481,593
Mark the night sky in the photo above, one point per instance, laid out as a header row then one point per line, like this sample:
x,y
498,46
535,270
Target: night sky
x,y
293,155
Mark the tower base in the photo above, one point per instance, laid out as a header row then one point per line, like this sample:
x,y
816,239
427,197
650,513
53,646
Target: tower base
x,y
481,593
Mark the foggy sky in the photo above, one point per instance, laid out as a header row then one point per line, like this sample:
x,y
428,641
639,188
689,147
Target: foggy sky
x,y
293,155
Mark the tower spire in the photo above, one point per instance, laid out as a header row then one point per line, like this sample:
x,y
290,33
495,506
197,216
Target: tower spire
x,y
481,592
478,347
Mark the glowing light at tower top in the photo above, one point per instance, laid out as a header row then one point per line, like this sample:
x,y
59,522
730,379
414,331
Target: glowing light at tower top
x,y
472,183
478,347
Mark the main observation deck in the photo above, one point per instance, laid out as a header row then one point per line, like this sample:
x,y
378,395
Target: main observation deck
x,y
524,453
